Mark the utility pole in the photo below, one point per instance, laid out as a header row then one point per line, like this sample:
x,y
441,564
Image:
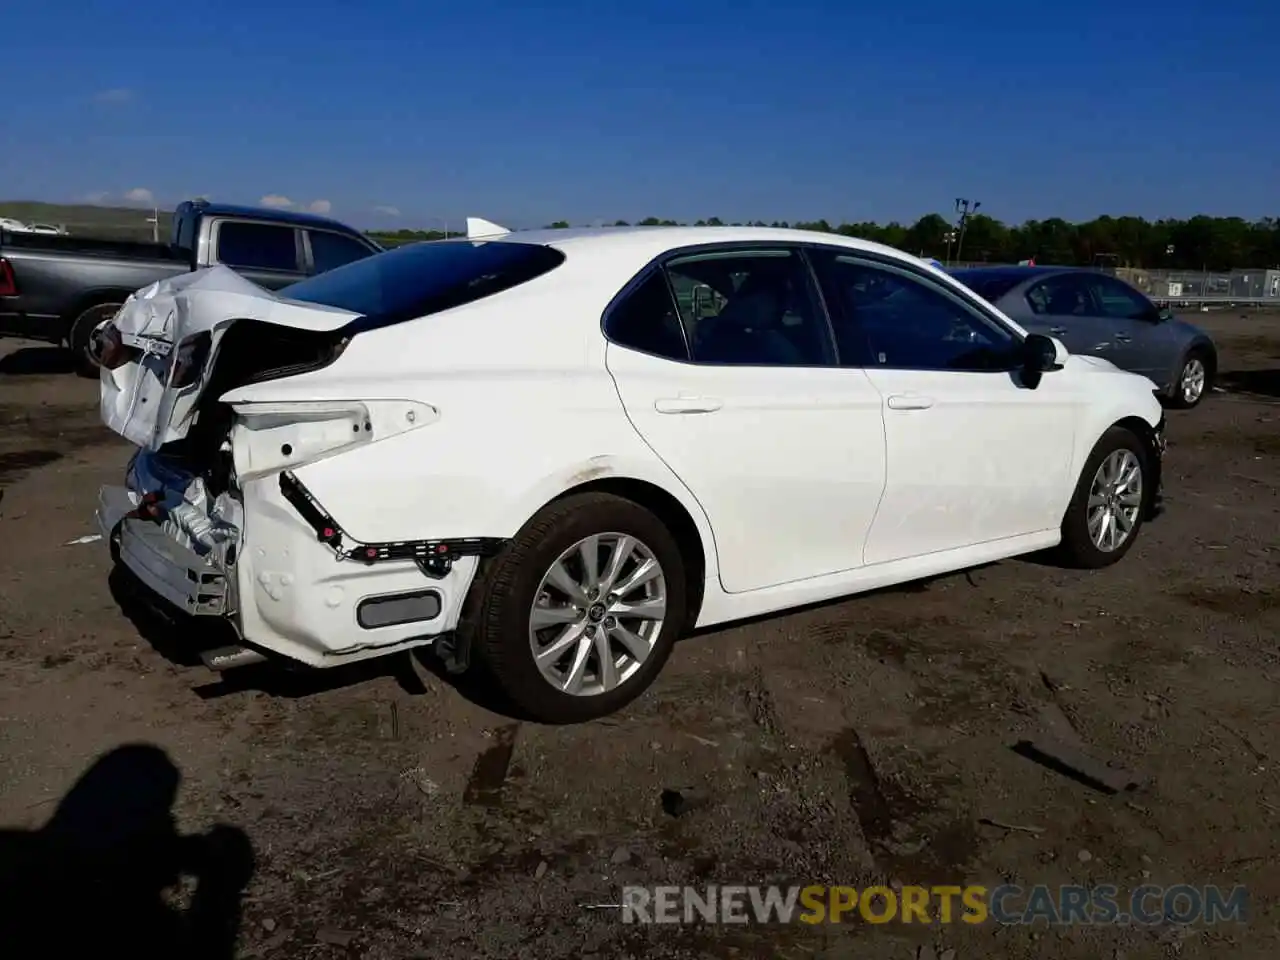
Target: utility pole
x,y
964,209
950,238
154,220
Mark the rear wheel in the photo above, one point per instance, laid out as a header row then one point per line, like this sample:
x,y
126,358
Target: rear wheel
x,y
1106,510
581,611
1194,379
78,338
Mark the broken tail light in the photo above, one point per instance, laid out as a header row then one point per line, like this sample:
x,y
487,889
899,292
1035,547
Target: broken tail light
x,y
189,359
8,286
109,350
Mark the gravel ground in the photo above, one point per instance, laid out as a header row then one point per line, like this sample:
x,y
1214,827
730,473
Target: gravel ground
x,y
391,814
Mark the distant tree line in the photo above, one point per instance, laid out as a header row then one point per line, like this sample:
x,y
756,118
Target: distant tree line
x,y
1200,243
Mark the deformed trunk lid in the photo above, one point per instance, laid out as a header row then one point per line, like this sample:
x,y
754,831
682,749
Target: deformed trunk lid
x,y
136,399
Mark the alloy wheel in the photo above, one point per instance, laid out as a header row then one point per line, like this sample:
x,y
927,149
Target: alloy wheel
x,y
1115,500
597,614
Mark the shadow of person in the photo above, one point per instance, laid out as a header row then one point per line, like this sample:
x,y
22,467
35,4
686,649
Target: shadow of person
x,y
107,871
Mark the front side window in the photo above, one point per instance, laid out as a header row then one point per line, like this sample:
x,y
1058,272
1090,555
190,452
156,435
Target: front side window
x,y
1067,295
750,307
332,250
1118,300
888,318
257,246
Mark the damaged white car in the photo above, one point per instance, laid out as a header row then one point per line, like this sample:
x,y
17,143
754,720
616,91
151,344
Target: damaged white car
x,y
551,453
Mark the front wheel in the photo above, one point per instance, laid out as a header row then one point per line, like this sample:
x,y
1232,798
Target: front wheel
x,y
581,611
1107,509
1194,380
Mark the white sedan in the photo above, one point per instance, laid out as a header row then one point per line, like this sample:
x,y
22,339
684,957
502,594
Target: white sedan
x,y
551,453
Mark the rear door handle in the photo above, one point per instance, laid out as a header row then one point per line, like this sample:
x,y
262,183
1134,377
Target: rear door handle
x,y
1123,338
688,404
1058,331
909,401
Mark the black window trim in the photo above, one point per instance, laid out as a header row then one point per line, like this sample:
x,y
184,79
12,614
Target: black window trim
x,y
309,261
299,269
659,264
966,299
963,295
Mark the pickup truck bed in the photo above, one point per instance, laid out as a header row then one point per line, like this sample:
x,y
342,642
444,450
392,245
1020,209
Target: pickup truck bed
x,y
58,288
61,277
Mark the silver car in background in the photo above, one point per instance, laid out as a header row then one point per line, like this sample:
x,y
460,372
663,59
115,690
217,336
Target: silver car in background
x,y
1096,314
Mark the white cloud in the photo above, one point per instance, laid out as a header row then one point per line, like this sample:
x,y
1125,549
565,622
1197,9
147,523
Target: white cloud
x,y
320,206
140,195
114,95
98,198
275,200
389,211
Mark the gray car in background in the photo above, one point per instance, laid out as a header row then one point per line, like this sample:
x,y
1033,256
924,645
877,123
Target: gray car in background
x,y
1096,314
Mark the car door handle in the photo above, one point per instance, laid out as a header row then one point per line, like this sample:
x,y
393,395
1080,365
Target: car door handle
x,y
688,404
1058,331
909,401
1123,338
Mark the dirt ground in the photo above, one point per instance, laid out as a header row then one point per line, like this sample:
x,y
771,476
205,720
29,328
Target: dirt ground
x,y
392,815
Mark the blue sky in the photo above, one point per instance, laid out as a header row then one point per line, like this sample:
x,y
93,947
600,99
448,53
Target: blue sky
x,y
527,113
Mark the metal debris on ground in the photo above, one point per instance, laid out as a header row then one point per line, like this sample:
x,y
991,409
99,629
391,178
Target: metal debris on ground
x,y
1015,827
418,777
1073,762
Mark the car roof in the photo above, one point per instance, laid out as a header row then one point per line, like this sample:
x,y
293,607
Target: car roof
x,y
270,214
650,242
1016,273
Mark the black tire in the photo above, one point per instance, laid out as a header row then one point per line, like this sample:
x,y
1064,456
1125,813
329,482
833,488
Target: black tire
x,y
1176,398
78,337
501,640
1077,548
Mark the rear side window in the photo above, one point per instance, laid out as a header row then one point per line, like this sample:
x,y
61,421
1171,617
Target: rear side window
x,y
257,246
425,278
647,321
1067,295
332,250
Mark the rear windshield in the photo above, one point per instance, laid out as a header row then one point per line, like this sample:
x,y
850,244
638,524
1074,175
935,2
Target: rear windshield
x,y
424,278
989,286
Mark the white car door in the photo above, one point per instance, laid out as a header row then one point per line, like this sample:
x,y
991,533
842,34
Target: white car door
x,y
734,385
972,454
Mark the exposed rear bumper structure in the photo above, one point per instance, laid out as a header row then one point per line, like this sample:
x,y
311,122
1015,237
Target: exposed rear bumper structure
x,y
434,557
177,573
299,586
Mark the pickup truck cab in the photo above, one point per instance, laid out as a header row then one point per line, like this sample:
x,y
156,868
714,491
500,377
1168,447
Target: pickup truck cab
x,y
58,288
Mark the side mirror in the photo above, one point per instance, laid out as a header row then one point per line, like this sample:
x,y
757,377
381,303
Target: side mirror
x,y
1041,355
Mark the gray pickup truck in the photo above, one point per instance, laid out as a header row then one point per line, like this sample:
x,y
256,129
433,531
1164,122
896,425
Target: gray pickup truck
x,y
58,288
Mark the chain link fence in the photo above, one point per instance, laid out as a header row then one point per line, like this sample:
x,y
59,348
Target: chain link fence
x,y
1259,285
